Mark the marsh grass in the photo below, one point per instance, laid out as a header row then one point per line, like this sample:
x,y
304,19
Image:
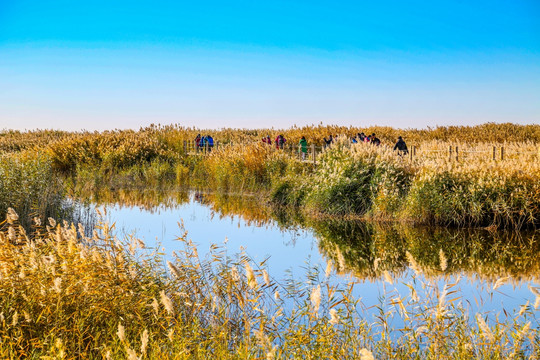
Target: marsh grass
x,y
28,183
66,295
361,180
371,181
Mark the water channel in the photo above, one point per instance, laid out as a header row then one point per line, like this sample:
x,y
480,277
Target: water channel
x,y
378,257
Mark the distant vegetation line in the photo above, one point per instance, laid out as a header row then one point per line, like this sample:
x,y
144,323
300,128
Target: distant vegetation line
x,y
349,179
14,140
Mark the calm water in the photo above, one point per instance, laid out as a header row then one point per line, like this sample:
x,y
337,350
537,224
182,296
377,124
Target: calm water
x,y
363,252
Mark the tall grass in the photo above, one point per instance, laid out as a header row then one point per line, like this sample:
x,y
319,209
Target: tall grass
x,y
66,295
156,138
374,182
28,183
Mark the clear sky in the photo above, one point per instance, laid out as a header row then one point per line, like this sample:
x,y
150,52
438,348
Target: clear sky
x,y
124,64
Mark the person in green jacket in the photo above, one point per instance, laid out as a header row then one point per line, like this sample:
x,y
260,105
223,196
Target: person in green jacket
x,y
302,147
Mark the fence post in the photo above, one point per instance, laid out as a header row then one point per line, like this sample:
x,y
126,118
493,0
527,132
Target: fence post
x,y
185,147
313,153
494,153
411,153
457,154
414,150
450,152
502,153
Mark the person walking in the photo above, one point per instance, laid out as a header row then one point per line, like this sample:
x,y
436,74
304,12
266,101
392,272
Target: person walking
x,y
210,142
203,144
329,141
280,141
267,140
361,137
302,147
197,142
375,140
401,147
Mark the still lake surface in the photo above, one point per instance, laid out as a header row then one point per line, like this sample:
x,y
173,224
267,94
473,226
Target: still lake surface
x,y
377,257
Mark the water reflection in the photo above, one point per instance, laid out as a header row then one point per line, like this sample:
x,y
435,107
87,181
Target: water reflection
x,y
365,250
148,199
368,250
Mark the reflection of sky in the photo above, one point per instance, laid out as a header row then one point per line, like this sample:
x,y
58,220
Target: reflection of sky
x,y
290,250
286,249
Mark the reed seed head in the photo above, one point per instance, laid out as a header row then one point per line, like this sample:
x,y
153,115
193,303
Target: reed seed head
x,y
121,332
166,302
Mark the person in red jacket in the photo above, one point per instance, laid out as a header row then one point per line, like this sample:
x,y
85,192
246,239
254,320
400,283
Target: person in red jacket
x,y
267,140
280,141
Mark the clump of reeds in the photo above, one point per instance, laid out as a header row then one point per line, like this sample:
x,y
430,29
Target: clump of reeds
x,y
28,183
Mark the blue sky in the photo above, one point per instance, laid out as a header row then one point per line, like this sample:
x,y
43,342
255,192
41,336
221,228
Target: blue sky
x,y
118,64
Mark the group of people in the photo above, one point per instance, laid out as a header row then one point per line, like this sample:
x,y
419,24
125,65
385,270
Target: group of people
x,y
361,137
204,142
280,141
372,139
207,142
358,138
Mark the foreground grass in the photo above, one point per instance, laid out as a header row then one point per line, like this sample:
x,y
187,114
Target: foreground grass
x,y
69,295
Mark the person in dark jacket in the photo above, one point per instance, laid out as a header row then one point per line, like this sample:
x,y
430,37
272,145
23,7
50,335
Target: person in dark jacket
x,y
329,141
401,146
375,140
209,142
361,137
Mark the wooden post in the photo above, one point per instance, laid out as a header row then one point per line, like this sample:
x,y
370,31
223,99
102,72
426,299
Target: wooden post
x,y
185,147
457,154
411,153
502,153
494,153
313,153
414,150
450,152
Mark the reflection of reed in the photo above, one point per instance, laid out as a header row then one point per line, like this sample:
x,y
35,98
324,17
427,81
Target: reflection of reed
x,y
249,208
369,250
150,200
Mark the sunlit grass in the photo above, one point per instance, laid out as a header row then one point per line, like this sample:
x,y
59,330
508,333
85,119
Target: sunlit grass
x,y
464,188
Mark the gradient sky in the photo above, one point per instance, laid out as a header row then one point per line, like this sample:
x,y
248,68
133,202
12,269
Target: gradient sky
x,y
124,64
